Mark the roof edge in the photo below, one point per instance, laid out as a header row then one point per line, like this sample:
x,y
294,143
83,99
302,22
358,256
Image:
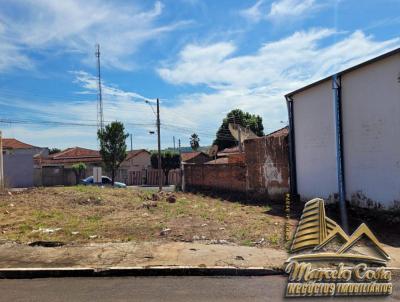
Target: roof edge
x,y
347,70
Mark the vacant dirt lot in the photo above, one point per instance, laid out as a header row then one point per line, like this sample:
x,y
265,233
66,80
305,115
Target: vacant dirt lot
x,y
91,214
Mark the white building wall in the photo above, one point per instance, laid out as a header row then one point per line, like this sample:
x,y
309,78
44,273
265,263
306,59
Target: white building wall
x,y
371,131
315,142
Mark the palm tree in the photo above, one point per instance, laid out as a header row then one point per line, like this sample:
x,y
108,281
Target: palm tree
x,y
194,141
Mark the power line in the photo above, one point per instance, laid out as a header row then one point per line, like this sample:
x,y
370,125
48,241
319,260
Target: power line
x,y
47,96
60,123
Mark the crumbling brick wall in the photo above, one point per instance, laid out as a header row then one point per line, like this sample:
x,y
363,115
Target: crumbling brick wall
x,y
265,171
267,165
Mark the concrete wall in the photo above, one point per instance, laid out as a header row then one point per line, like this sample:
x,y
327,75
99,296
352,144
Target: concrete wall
x,y
371,132
57,176
18,169
371,139
315,141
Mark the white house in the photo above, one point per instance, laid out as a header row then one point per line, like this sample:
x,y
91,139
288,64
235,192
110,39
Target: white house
x,y
345,134
133,169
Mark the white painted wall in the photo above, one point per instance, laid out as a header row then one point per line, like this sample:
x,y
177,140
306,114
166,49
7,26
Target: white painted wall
x,y
371,130
315,142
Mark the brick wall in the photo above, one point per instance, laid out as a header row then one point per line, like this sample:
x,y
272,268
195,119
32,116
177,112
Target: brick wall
x,y
265,170
226,177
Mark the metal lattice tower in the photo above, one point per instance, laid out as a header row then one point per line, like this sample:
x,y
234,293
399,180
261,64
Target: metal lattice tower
x,y
100,117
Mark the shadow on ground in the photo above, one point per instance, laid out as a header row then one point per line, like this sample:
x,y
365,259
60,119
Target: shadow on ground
x,y
384,224
277,207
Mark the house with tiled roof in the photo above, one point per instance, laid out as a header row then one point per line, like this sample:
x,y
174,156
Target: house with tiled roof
x,y
56,169
13,144
71,156
133,169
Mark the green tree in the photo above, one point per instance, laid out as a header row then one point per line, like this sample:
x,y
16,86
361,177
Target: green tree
x,y
224,138
194,141
112,146
54,151
169,161
78,169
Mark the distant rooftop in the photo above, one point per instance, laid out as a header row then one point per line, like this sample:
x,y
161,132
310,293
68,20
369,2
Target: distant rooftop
x,y
12,143
72,155
280,132
231,150
133,153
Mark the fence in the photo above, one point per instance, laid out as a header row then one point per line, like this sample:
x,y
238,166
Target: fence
x,y
54,176
150,177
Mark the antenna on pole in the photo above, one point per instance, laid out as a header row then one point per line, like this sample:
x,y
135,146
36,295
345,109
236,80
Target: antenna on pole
x,y
100,118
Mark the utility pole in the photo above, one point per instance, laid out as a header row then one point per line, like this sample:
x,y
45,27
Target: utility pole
x,y
240,139
1,163
182,170
173,138
100,119
159,147
131,142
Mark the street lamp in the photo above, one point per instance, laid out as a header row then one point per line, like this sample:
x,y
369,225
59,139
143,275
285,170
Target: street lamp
x,y
158,141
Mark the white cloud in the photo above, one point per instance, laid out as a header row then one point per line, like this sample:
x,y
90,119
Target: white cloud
x,y
126,106
76,26
257,82
285,63
254,13
201,62
280,11
283,9
254,82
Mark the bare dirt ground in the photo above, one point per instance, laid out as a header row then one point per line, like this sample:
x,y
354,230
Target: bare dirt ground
x,y
75,215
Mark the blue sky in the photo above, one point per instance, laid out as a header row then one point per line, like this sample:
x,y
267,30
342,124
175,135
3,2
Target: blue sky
x,y
201,58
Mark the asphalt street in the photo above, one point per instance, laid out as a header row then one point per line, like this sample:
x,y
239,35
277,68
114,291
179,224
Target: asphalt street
x,y
268,288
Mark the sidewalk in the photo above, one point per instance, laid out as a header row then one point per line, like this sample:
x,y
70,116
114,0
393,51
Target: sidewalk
x,y
149,254
13,255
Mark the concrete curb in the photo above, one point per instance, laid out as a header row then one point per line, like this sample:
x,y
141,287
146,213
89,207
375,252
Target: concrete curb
x,y
30,273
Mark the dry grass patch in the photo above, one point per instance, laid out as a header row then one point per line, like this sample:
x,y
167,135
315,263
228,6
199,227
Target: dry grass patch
x,y
92,214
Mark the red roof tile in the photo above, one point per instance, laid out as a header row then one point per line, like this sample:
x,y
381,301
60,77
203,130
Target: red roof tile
x,y
280,132
12,143
189,155
76,152
49,161
72,155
